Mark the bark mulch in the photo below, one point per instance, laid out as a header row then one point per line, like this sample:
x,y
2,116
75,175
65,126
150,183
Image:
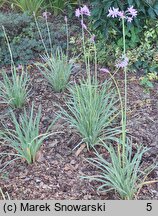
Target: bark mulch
x,y
57,172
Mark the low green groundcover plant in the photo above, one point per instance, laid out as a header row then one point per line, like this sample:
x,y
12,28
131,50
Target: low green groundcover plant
x,y
91,111
56,69
25,137
14,89
126,179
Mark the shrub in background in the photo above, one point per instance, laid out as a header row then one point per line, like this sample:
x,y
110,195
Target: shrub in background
x,y
142,48
10,20
146,9
19,22
24,38
111,29
145,56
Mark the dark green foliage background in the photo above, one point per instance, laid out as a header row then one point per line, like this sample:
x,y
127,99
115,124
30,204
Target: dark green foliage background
x,y
109,32
147,11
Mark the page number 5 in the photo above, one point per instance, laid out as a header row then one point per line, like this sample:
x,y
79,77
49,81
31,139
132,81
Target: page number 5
x,y
149,206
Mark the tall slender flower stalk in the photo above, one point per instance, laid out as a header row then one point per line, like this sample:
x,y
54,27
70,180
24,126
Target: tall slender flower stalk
x,y
124,173
128,15
49,36
40,33
80,12
125,95
67,37
9,48
84,50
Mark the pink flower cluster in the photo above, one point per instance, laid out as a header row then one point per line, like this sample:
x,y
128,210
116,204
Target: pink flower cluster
x,y
122,63
82,11
129,14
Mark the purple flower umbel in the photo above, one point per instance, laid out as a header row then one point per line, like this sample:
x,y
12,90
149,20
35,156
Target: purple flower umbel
x,y
113,12
132,11
82,11
85,11
129,14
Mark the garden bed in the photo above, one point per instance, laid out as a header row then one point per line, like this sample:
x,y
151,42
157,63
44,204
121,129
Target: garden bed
x,y
57,52
57,170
